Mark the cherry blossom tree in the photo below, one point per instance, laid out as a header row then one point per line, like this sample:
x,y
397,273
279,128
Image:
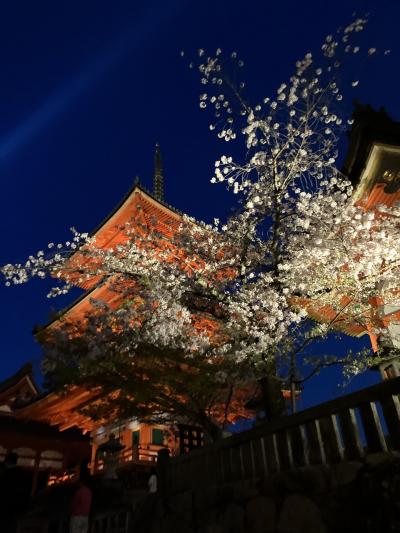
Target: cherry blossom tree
x,y
140,378
228,304
318,249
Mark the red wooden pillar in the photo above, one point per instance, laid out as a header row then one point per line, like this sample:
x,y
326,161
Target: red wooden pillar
x,y
35,473
93,465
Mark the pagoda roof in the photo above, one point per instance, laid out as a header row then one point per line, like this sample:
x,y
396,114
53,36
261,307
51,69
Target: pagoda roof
x,y
124,204
326,313
81,305
137,204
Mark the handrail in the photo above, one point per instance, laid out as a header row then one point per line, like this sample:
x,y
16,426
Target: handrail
x,y
111,521
345,428
135,454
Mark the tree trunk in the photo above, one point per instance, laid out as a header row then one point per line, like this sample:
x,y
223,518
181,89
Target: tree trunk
x,y
213,430
292,397
274,403
292,384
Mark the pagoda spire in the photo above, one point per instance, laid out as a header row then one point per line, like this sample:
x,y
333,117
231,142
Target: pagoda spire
x,y
158,180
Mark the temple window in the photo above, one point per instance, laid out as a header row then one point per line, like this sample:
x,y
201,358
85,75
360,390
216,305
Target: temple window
x,y
51,459
26,456
157,436
136,437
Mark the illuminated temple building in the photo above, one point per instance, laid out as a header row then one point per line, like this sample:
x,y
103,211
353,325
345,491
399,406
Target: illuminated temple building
x,y
140,442
373,165
40,446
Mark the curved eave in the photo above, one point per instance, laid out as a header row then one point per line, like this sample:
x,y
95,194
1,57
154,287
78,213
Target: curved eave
x,y
378,196
108,232
140,207
83,304
87,295
370,190
175,213
138,203
24,374
61,410
369,127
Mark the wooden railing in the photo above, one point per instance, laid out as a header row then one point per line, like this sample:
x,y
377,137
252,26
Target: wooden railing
x,y
136,454
139,453
346,428
113,521
42,525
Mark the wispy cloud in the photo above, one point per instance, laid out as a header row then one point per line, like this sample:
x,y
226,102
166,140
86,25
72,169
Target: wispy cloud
x,y
134,38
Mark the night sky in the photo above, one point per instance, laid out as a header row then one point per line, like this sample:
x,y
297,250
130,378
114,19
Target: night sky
x,y
88,88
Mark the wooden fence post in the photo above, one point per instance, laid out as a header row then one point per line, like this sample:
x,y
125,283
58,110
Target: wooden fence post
x,y
163,472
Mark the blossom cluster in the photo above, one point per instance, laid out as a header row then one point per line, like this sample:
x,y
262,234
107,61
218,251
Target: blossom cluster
x,y
245,290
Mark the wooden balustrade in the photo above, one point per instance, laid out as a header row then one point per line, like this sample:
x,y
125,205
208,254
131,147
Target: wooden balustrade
x,y
113,521
136,454
346,428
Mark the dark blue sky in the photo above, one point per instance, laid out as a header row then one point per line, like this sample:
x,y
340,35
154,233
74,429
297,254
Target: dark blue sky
x,y
89,87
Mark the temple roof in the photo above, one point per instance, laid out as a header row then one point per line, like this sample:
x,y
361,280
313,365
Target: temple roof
x,y
25,409
61,409
41,430
138,205
19,387
373,165
369,127
124,208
